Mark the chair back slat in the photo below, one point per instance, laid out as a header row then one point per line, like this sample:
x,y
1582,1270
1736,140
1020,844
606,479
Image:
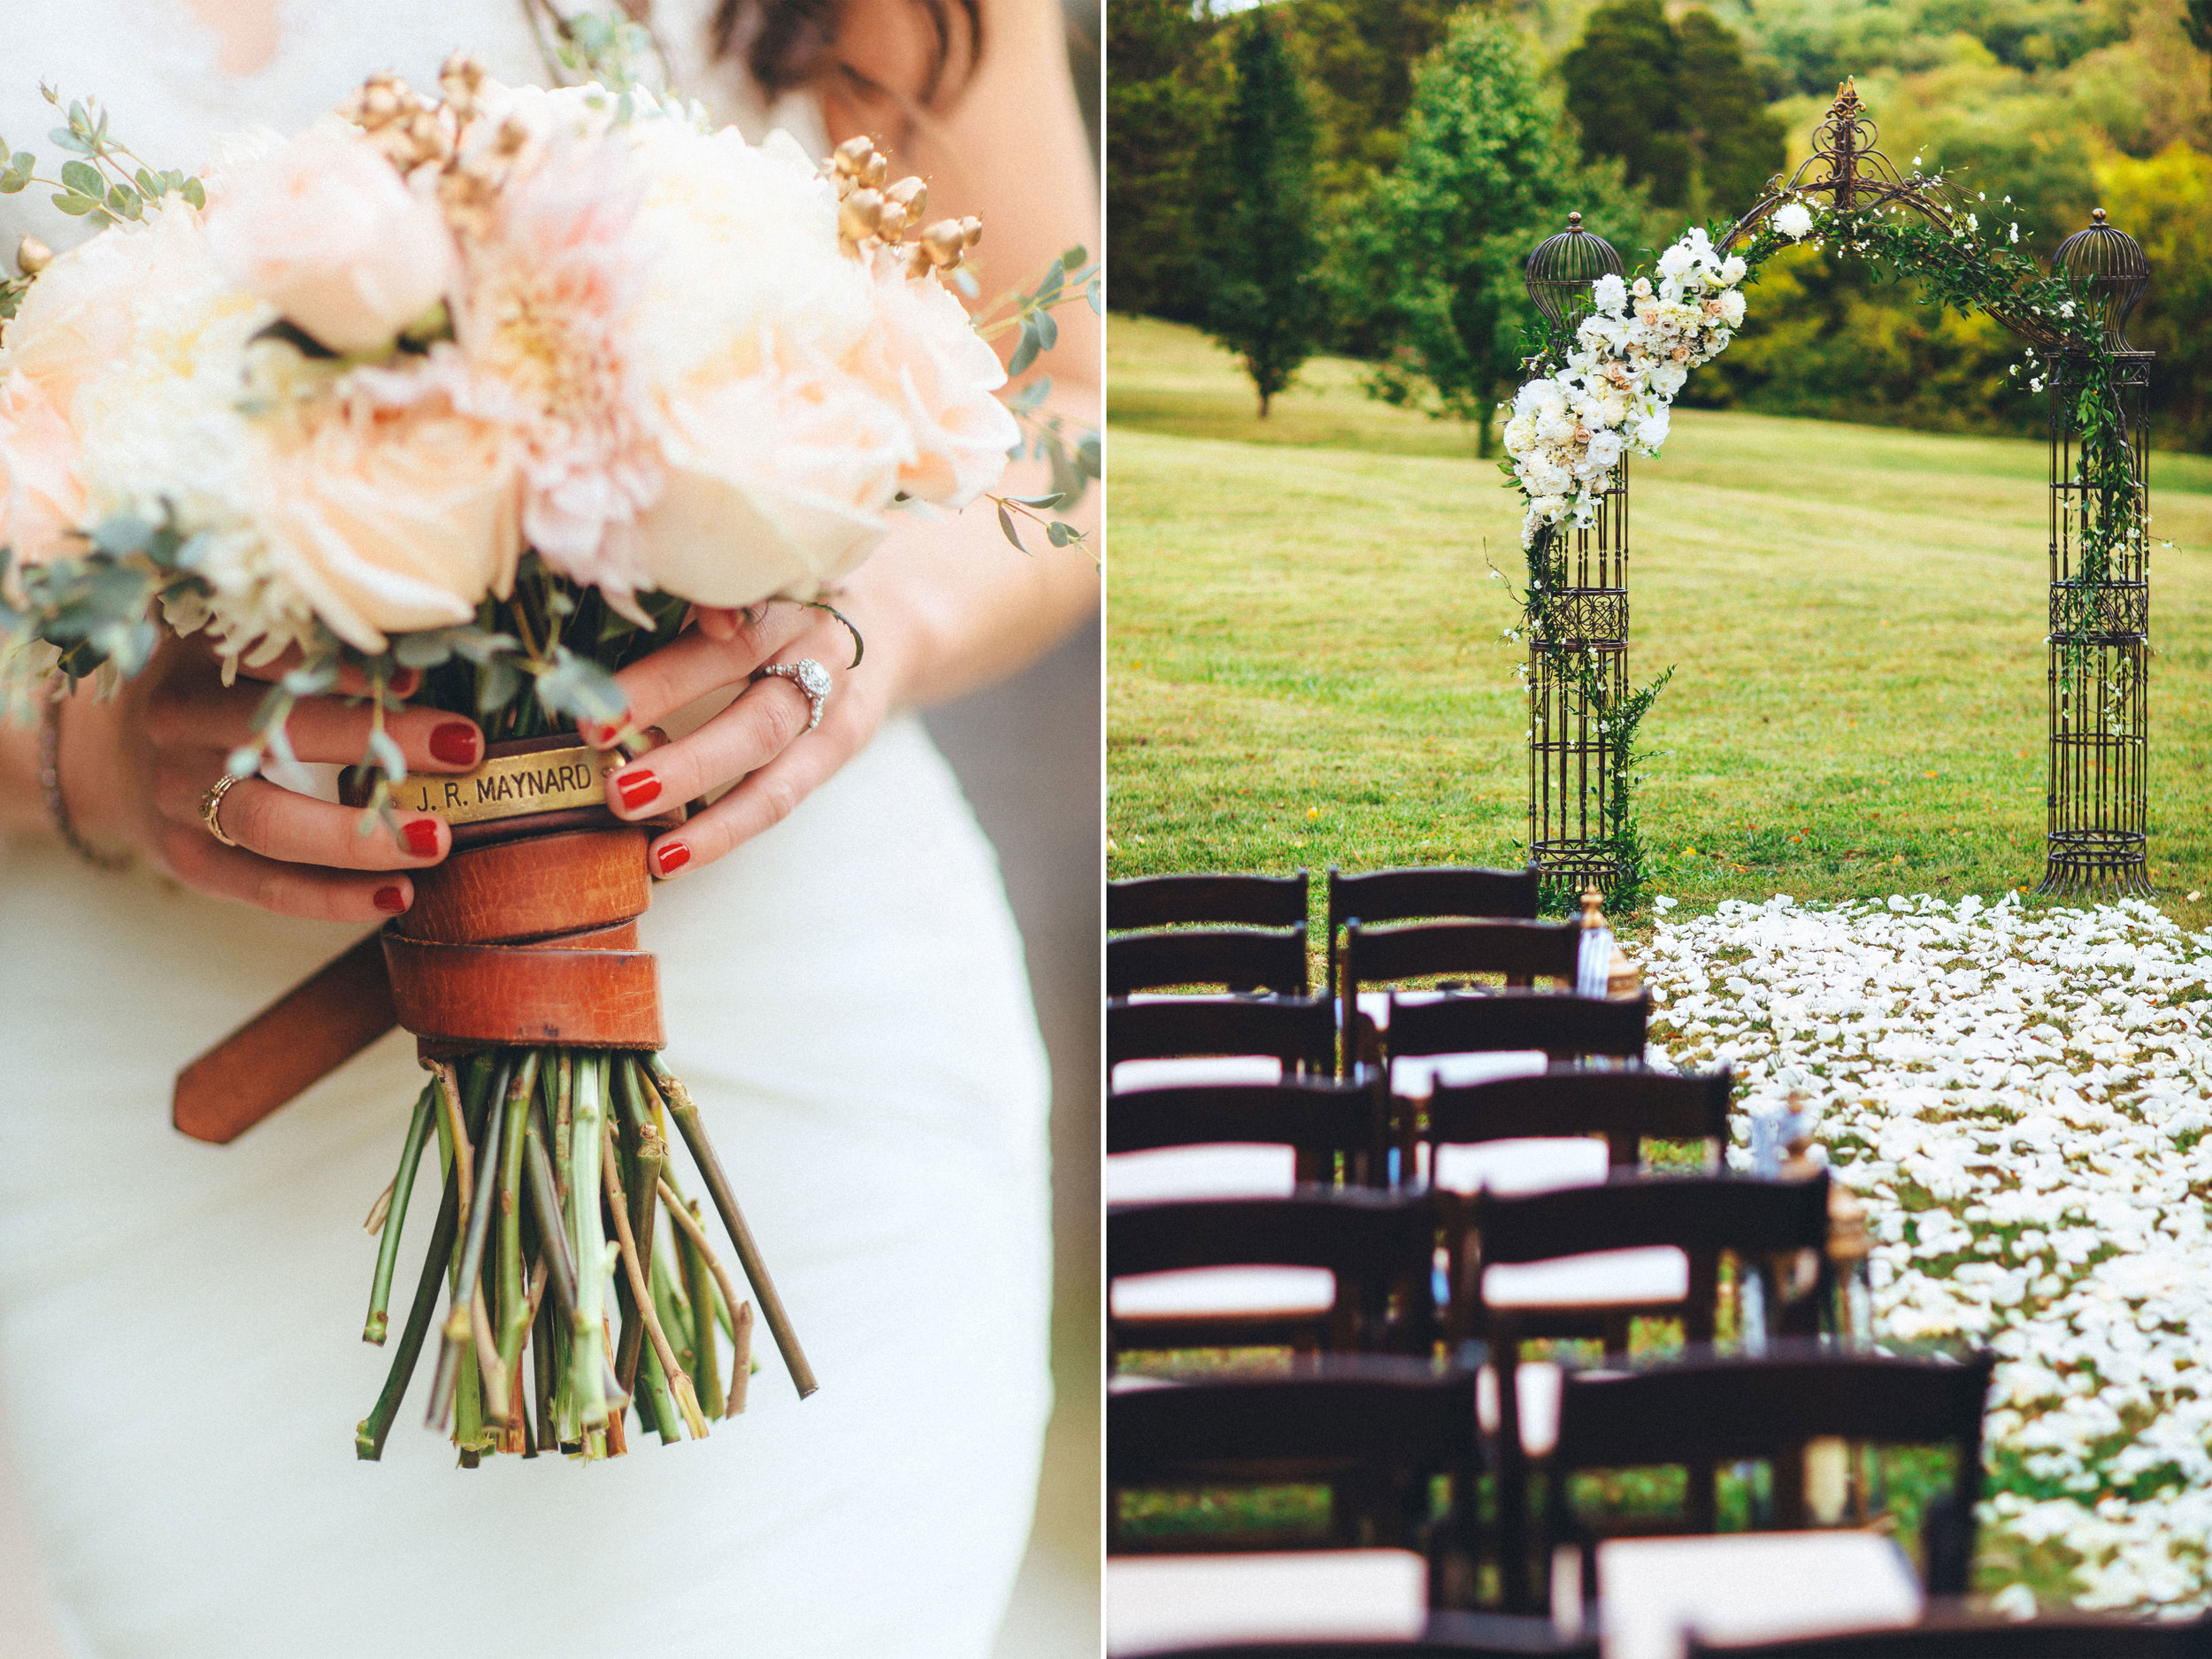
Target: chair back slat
x,y
1167,901
1300,1032
1565,1027
1991,1636
1236,958
1319,1115
1407,950
1357,1231
1627,1107
1348,1408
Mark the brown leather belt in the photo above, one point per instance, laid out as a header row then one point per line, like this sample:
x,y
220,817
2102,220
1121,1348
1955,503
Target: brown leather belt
x,y
524,942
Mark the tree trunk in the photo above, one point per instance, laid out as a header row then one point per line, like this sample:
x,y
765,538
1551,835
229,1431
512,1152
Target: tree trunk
x,y
1264,402
1482,434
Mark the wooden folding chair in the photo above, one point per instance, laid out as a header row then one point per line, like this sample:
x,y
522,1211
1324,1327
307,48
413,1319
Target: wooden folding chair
x,y
1376,1432
1427,891
1325,1125
1448,1635
1707,1412
1232,958
1583,1262
1516,952
1625,1108
1325,1269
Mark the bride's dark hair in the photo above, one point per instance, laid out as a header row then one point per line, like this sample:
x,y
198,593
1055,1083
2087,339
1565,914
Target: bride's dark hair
x,y
788,44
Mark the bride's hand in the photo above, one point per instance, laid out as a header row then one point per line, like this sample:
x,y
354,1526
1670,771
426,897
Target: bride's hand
x,y
760,743
137,768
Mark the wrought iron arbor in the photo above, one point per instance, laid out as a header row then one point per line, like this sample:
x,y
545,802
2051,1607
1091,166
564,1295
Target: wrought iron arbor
x,y
2095,835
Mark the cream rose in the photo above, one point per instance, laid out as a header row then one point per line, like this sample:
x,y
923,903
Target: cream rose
x,y
41,496
326,232
391,521
923,355
776,483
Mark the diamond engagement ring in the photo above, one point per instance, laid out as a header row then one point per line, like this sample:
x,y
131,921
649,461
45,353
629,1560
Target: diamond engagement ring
x,y
807,674
211,807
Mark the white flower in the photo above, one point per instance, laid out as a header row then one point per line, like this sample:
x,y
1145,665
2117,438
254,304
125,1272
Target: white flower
x,y
1732,269
1792,219
1732,307
1610,295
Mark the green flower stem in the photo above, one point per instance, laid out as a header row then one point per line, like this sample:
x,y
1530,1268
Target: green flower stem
x,y
643,1188
707,1358
514,1312
583,1138
545,1207
654,1393
686,1112
468,1409
563,1101
625,1244
395,1218
725,1305
368,1438
548,1438
467,1297
740,1357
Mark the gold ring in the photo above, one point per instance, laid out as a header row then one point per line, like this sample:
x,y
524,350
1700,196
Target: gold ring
x,y
211,807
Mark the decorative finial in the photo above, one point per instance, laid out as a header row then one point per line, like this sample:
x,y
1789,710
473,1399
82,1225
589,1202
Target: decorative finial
x,y
2097,214
1574,220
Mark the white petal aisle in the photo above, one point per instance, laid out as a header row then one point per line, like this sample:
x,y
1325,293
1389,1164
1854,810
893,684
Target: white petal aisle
x,y
2020,1097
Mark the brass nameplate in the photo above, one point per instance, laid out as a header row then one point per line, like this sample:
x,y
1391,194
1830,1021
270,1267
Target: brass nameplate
x,y
513,786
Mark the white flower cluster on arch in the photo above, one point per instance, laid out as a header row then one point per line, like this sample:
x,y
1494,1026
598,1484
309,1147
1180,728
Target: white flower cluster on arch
x,y
1570,427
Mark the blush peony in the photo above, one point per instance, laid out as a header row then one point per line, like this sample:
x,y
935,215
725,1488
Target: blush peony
x,y
330,235
924,357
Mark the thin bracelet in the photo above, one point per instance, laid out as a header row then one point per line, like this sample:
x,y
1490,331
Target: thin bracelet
x,y
50,780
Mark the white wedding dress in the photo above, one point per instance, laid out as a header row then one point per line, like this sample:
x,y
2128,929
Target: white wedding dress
x,y
180,1355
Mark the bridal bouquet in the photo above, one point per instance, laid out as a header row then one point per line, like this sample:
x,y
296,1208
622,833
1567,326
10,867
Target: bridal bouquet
x,y
475,393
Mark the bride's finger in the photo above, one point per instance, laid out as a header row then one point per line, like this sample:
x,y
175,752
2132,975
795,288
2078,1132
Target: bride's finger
x,y
697,663
760,803
203,864
743,738
290,828
208,715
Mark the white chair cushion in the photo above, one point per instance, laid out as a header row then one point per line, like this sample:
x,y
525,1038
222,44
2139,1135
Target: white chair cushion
x,y
1743,1587
1155,1602
1187,1292
1376,1004
1207,1172
1204,1071
1536,1399
1651,1273
1419,1075
1532,1165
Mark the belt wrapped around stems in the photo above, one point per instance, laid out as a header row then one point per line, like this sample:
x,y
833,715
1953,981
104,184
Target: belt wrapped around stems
x,y
524,938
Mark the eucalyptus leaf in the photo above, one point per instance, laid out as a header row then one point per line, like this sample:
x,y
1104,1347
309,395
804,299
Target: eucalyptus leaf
x,y
193,192
311,679
1048,327
581,689
1089,457
120,535
124,200
1062,534
84,179
1025,350
496,683
387,755
1075,256
1006,524
1039,502
75,206
12,183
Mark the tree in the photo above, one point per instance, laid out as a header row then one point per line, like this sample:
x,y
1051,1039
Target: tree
x,y
1677,102
1159,111
2196,22
1358,58
1433,265
1257,248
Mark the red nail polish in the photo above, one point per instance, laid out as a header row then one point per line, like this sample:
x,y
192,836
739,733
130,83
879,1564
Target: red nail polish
x,y
421,836
598,736
406,682
389,900
673,857
637,788
454,742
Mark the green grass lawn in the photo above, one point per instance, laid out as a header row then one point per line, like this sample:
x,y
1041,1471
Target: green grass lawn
x,y
1305,666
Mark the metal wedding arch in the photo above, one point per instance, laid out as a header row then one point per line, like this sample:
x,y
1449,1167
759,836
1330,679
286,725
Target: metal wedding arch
x,y
2095,834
